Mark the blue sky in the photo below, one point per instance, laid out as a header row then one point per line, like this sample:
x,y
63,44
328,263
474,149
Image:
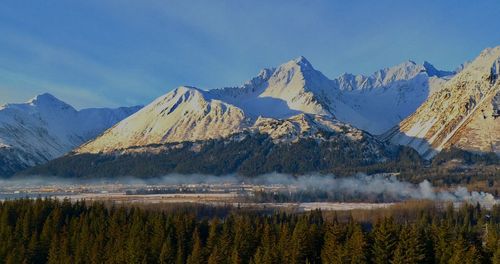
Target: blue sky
x,y
97,53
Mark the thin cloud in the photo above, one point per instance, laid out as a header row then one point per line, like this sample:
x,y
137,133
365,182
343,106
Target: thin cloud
x,y
43,67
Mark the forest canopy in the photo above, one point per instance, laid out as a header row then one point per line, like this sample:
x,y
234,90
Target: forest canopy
x,y
50,231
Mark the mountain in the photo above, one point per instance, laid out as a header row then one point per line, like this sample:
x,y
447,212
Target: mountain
x,y
297,145
463,113
374,103
389,95
292,88
45,128
186,113
291,111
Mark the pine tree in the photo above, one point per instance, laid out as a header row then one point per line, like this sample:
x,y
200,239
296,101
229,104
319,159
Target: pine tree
x,y
196,256
15,257
213,235
267,253
244,240
216,256
462,251
496,256
384,241
490,239
224,243
472,256
33,254
333,248
285,244
443,238
409,248
236,257
356,246
53,255
168,252
301,242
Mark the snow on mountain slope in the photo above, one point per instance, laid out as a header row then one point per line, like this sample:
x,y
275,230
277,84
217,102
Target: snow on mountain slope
x,y
320,128
374,103
462,114
277,95
388,96
305,126
292,88
186,113
45,128
189,114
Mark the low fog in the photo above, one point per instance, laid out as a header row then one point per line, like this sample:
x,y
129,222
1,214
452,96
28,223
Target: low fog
x,y
358,185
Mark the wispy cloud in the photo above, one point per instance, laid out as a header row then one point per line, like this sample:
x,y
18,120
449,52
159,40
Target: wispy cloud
x,y
36,66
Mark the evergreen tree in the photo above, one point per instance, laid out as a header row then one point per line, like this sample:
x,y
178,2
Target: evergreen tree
x,y
301,247
196,256
356,246
267,253
409,249
384,241
167,253
334,250
443,238
216,257
496,255
285,244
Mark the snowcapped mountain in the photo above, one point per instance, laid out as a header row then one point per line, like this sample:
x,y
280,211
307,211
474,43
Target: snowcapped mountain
x,y
347,118
463,113
389,95
284,101
45,128
292,88
306,126
186,113
373,103
419,105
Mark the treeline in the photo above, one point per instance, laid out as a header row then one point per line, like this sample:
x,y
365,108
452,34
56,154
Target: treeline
x,y
458,167
47,231
257,154
252,156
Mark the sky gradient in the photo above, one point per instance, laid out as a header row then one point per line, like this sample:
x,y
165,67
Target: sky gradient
x,y
110,53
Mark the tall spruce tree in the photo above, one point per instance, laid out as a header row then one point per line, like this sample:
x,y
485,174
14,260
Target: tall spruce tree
x,y
384,241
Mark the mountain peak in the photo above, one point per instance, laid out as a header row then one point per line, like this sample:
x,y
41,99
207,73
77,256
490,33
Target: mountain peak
x,y
301,59
490,52
432,71
265,73
185,93
303,62
428,65
409,62
48,100
44,96
187,88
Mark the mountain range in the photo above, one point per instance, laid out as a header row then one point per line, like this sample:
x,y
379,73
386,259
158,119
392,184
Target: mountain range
x,y
373,103
409,104
463,113
45,128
